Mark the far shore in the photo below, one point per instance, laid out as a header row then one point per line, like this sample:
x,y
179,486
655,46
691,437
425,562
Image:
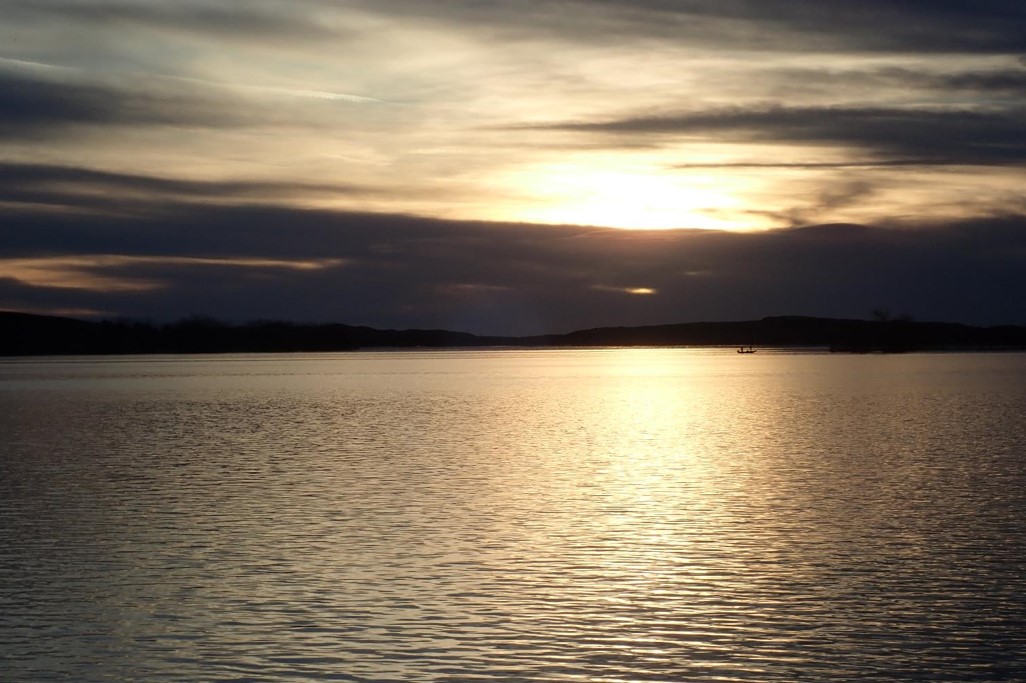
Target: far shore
x,y
23,334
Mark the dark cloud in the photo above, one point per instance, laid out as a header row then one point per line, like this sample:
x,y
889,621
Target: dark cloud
x,y
984,26
943,82
1009,82
813,165
42,103
31,106
995,81
968,26
94,189
402,271
922,136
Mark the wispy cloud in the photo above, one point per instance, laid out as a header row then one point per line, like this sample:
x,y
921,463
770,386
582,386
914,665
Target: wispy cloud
x,y
926,135
52,184
259,19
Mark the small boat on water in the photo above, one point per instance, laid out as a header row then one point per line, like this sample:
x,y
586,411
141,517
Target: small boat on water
x,y
743,349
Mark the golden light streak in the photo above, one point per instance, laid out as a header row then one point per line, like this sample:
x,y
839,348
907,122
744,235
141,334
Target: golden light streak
x,y
636,291
86,272
64,312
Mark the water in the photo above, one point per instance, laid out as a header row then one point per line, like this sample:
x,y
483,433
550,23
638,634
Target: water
x,y
571,515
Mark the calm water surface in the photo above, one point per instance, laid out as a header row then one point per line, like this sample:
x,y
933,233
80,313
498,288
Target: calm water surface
x,y
582,515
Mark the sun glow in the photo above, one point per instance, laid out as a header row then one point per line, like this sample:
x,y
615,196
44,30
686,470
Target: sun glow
x,y
620,196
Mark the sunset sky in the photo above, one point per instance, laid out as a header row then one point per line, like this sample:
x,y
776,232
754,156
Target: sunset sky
x,y
513,166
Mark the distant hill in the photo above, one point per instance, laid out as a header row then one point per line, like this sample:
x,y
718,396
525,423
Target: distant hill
x,y
25,334
791,331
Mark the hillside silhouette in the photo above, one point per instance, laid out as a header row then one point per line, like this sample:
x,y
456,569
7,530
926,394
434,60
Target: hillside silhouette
x,y
23,334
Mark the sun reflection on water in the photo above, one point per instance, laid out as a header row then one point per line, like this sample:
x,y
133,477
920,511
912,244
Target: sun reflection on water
x,y
624,514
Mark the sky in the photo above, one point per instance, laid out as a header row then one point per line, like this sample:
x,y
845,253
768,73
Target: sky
x,y
513,166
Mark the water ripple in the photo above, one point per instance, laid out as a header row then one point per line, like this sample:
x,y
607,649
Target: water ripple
x,y
645,515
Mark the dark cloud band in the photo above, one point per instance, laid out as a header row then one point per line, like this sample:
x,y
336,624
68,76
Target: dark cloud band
x,y
937,136
402,271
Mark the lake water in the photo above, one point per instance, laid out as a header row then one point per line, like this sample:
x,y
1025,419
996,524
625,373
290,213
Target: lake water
x,y
504,515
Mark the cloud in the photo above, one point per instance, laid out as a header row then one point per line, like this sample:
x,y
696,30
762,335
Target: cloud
x,y
986,26
992,82
880,26
899,135
253,20
92,189
390,270
810,165
35,106
39,101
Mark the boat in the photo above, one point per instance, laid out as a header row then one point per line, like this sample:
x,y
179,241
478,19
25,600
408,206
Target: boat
x,y
742,349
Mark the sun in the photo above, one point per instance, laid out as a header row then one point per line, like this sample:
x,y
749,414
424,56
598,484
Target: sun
x,y
637,197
